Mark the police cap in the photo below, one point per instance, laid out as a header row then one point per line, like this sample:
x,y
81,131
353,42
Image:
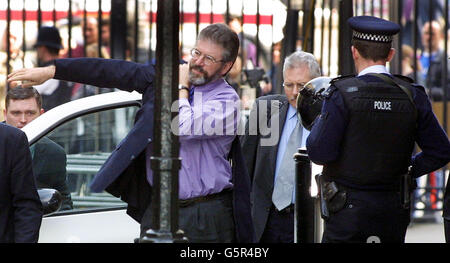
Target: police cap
x,y
370,28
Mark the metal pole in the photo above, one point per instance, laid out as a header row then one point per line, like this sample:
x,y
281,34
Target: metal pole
x,y
150,51
415,40
308,25
84,29
8,42
136,33
211,14
445,69
428,80
396,9
54,13
99,30
258,47
290,39
181,27
39,15
118,24
272,44
322,31
330,35
165,162
373,8
69,29
346,65
289,43
227,13
24,38
241,42
304,216
364,7
444,83
197,17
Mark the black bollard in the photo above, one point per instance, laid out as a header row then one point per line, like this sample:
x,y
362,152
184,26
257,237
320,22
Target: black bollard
x,y
304,216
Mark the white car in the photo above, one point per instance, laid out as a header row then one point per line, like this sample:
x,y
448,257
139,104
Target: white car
x,y
88,129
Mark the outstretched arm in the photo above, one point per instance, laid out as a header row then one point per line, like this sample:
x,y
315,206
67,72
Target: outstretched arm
x,y
110,73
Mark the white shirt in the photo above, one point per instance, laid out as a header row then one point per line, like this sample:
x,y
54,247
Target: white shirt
x,y
374,69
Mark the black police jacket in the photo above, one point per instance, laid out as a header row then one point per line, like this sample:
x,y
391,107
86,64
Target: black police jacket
x,y
379,137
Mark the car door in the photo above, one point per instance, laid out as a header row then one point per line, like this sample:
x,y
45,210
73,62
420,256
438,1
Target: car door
x,y
68,152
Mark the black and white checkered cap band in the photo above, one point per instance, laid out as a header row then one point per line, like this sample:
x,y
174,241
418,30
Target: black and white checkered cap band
x,y
372,37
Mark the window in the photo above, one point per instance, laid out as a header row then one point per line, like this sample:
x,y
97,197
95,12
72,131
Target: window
x,y
68,158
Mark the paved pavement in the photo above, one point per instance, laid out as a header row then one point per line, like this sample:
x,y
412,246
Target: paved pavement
x,y
425,233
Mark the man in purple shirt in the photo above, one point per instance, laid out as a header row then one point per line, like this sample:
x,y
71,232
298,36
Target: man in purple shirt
x,y
206,144
208,109
215,201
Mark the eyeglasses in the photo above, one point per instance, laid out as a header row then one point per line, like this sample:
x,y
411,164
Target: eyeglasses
x,y
290,86
208,60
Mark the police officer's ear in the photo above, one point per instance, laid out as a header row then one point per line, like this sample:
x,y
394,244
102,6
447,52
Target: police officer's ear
x,y
391,55
355,53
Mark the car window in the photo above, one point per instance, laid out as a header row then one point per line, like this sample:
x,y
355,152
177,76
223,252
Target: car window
x,y
67,158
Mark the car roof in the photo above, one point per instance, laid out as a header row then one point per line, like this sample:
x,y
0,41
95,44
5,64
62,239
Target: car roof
x,y
52,118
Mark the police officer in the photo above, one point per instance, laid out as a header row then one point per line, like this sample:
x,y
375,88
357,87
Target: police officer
x,y
365,137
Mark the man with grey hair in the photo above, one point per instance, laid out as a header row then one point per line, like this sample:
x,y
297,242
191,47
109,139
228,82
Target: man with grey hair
x,y
270,165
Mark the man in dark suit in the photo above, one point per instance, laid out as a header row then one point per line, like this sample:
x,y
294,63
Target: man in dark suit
x,y
125,173
23,105
269,133
20,207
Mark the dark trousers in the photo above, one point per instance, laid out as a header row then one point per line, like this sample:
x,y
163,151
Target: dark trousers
x,y
368,217
279,226
208,221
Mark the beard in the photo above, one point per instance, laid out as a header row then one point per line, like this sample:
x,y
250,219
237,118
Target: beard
x,y
202,78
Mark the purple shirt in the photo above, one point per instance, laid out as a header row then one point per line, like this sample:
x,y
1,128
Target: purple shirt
x,y
207,128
